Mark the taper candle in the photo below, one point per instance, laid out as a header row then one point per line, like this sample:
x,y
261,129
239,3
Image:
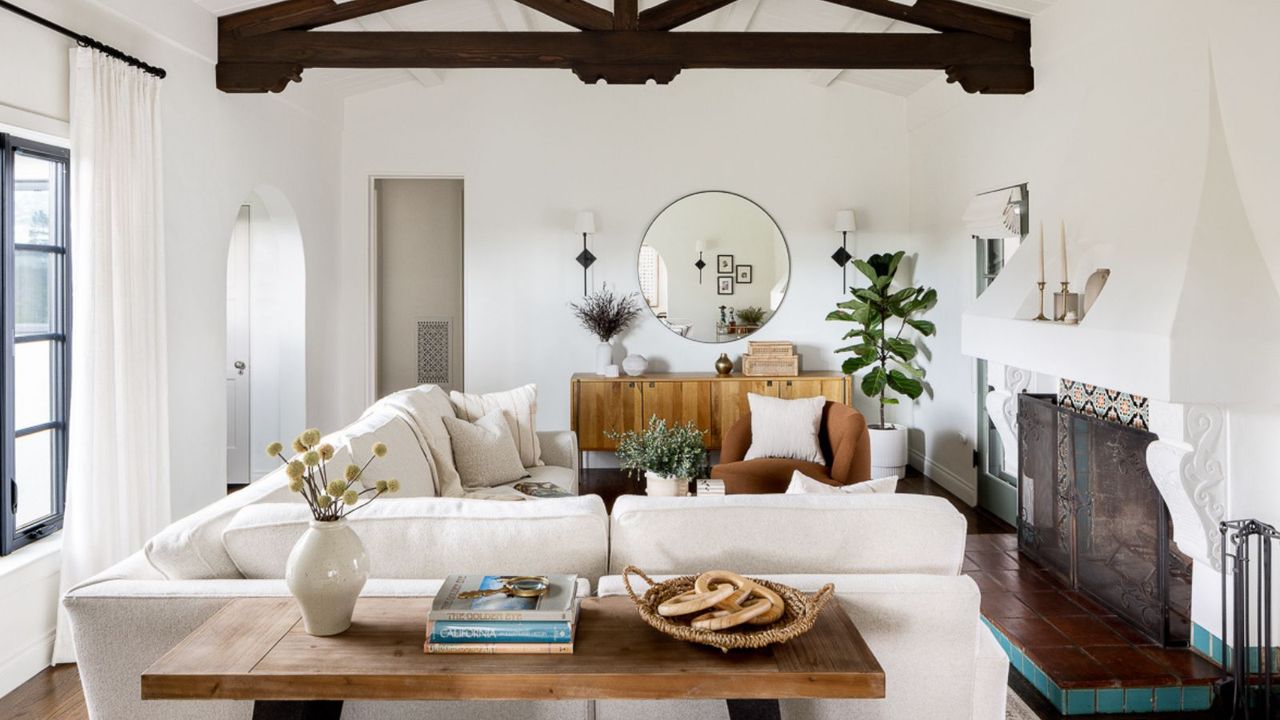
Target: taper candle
x,y
1041,251
1065,279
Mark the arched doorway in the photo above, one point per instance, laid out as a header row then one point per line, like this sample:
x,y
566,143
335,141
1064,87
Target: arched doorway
x,y
266,333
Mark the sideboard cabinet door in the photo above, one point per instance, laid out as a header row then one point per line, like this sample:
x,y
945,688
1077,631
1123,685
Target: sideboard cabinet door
x,y
729,402
679,403
833,390
604,407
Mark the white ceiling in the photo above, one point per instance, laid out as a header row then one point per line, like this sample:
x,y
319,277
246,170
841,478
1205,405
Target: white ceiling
x,y
755,15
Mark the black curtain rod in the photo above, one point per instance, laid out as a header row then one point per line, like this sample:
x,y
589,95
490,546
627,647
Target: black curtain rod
x,y
84,40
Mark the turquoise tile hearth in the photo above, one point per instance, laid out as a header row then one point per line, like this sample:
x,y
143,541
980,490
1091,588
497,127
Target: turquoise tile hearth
x,y
1138,700
1168,699
1080,702
1196,697
1110,700
1200,640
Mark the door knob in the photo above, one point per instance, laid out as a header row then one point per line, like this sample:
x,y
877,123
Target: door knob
x,y
239,365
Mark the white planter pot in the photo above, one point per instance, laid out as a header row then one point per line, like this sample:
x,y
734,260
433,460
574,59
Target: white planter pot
x,y
326,572
889,451
665,485
604,357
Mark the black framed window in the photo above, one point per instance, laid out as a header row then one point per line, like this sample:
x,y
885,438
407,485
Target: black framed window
x,y
35,302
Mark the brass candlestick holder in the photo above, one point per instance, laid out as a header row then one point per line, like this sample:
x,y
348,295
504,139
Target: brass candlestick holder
x,y
1041,317
1065,303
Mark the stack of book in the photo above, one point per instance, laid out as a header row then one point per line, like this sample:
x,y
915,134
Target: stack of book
x,y
766,358
502,622
709,487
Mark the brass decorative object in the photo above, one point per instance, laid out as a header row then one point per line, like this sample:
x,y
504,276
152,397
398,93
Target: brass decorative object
x,y
1065,303
1041,317
724,366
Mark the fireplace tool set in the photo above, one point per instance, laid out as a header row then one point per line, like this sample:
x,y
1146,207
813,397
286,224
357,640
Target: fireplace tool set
x,y
1246,584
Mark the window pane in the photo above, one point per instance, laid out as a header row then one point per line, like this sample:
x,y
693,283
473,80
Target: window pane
x,y
32,388
34,288
35,198
33,472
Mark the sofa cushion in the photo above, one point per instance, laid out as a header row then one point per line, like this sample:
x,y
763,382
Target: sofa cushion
x,y
437,537
428,405
802,484
484,451
519,406
876,533
407,458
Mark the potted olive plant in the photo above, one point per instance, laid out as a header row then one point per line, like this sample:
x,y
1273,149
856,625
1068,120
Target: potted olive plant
x,y
605,315
881,314
668,455
328,566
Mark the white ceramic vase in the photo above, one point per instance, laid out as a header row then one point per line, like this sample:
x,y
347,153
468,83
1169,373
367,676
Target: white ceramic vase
x,y
635,365
326,572
604,357
888,451
665,486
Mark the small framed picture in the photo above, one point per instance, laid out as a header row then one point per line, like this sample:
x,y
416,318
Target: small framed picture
x,y
724,285
724,264
744,274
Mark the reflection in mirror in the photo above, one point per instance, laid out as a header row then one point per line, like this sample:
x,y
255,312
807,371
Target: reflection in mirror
x,y
714,267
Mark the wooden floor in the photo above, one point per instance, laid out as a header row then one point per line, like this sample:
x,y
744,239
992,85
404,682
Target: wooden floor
x,y
55,693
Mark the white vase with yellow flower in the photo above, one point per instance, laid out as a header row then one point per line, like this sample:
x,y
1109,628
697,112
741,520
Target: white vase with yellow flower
x,y
328,566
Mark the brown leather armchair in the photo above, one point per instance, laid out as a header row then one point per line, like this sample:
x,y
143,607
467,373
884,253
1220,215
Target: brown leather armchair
x,y
845,443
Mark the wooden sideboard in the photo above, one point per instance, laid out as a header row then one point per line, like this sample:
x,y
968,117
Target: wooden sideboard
x,y
600,405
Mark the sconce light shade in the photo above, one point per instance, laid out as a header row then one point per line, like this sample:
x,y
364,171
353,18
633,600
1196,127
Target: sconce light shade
x,y
700,246
846,222
586,223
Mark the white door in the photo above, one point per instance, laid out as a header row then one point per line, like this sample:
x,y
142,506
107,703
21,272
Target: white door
x,y
237,362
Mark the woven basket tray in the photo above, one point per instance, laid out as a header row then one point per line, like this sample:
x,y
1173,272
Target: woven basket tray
x,y
801,613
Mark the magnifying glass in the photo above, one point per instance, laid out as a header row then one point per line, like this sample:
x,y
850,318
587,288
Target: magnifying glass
x,y
523,586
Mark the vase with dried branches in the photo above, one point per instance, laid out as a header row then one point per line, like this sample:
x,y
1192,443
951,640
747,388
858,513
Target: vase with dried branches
x,y
606,315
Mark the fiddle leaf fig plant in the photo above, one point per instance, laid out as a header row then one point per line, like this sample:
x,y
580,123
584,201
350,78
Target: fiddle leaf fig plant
x,y
880,315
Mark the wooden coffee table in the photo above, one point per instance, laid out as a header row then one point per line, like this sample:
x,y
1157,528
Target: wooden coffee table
x,y
256,649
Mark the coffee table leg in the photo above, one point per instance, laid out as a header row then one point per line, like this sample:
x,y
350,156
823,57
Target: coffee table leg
x,y
754,710
297,710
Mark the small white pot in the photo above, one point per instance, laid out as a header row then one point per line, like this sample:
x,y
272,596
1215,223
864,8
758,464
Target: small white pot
x,y
665,486
889,451
326,572
604,357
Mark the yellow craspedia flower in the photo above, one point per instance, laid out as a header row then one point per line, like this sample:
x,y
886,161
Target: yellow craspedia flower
x,y
274,449
381,485
380,449
393,485
311,458
326,451
336,488
352,472
295,485
350,497
311,437
295,469
324,501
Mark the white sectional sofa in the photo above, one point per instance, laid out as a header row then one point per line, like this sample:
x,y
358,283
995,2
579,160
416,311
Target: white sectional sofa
x,y
895,561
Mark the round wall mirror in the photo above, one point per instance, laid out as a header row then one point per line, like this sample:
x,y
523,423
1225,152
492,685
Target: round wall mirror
x,y
714,267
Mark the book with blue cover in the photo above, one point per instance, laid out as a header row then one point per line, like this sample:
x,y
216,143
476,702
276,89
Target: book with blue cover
x,y
461,631
557,605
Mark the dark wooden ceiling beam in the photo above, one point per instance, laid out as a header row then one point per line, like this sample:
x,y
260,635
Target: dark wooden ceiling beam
x,y
626,15
574,13
948,15
976,61
301,15
674,13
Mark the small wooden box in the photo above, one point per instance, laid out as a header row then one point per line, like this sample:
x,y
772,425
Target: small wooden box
x,y
770,365
770,348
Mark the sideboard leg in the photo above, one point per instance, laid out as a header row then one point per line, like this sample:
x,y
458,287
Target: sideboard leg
x,y
297,710
754,710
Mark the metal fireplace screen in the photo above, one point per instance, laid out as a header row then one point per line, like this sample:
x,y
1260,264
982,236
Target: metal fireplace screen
x,y
1090,513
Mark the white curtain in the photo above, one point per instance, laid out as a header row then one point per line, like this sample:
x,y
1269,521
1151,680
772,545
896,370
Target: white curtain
x,y
118,465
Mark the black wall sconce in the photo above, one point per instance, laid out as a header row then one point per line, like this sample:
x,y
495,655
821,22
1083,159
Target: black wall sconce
x,y
586,226
701,264
845,224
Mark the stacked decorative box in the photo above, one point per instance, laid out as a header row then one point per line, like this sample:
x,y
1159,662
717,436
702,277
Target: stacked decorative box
x,y
771,358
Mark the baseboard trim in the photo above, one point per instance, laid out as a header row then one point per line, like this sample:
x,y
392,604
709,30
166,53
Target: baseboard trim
x,y
953,483
26,663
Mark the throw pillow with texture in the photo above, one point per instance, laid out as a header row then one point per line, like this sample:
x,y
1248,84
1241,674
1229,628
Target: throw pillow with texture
x,y
785,428
802,484
484,451
519,406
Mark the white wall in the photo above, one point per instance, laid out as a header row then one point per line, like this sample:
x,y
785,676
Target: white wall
x,y
217,148
537,146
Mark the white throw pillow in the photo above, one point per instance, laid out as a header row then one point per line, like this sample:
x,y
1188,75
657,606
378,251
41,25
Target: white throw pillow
x,y
426,405
408,459
785,428
484,451
519,406
802,484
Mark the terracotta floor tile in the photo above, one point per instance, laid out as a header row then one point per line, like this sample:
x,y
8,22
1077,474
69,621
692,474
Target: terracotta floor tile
x,y
1087,631
1087,603
1126,630
1024,579
1051,604
1185,664
986,583
1071,667
992,560
1133,667
969,566
997,605
1033,632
